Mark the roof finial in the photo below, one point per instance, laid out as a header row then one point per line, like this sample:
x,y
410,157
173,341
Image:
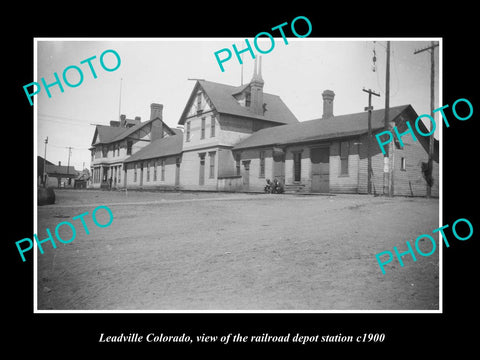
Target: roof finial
x,y
260,69
257,74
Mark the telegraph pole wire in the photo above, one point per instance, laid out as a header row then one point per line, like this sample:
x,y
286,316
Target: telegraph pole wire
x,y
44,165
431,49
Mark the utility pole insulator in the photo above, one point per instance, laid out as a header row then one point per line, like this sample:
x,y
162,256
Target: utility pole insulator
x,y
369,108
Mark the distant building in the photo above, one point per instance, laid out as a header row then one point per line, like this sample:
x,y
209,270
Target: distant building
x,y
112,145
40,167
236,137
82,179
56,175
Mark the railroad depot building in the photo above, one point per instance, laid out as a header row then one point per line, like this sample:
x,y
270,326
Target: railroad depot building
x,y
236,137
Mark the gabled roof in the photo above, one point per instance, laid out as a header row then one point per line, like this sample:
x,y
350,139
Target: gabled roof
x,y
105,134
109,134
319,129
66,171
167,146
40,161
129,131
221,96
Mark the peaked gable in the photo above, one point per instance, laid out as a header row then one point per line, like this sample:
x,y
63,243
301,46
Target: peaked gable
x,y
220,97
105,134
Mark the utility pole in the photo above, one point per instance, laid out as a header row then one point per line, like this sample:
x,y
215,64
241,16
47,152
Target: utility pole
x,y
431,49
68,164
120,99
369,108
388,159
44,165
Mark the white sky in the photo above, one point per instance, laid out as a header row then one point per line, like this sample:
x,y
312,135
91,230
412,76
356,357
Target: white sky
x,y
158,71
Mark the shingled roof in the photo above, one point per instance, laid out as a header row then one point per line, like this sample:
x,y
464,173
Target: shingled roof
x,y
167,146
319,129
109,134
61,170
221,96
105,134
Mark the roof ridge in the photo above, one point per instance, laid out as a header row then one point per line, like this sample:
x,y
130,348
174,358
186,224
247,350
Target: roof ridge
x,y
362,112
316,129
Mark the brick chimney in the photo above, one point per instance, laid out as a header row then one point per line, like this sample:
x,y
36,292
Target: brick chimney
x,y
123,120
156,111
157,125
256,89
328,96
59,163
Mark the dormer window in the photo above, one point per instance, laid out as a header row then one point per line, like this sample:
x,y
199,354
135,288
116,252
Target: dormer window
x,y
247,99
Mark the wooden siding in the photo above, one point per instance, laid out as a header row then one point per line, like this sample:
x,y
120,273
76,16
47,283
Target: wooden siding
x,y
411,181
344,183
377,166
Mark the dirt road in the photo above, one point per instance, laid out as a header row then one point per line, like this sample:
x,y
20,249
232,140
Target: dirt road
x,y
209,251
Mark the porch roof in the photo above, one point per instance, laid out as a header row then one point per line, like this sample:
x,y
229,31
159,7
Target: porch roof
x,y
167,146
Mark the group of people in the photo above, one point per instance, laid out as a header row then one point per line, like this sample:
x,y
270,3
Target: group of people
x,y
273,187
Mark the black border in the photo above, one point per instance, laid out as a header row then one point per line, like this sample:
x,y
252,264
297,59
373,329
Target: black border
x,y
409,333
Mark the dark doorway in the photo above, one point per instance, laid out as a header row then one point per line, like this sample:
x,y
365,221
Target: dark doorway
x,y
246,174
177,172
320,169
201,180
279,166
297,166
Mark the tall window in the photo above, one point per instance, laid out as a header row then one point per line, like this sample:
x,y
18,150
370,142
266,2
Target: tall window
x,y
262,164
114,148
135,172
403,164
247,99
297,166
212,126
129,147
162,176
155,170
212,164
202,134
237,163
104,151
344,150
118,150
148,171
187,132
